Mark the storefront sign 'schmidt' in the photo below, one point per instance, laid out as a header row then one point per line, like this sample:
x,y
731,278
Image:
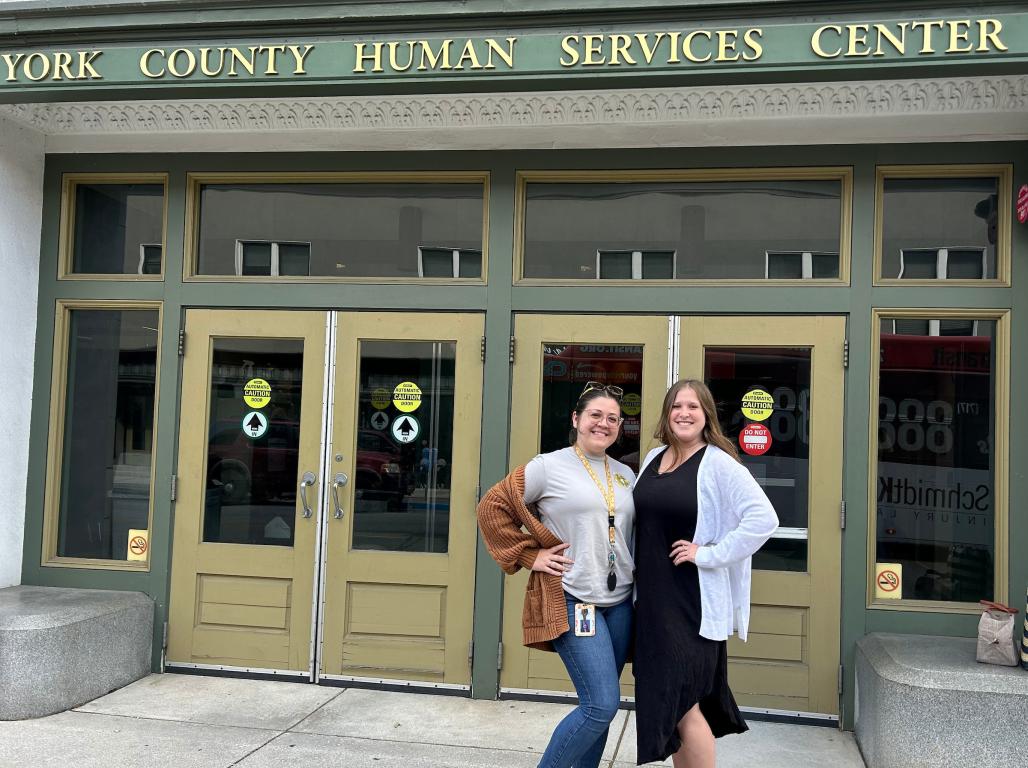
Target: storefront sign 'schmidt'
x,y
528,53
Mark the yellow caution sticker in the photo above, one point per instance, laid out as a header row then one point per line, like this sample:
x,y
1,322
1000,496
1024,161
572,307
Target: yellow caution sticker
x,y
138,544
757,405
256,393
631,404
380,398
888,581
407,396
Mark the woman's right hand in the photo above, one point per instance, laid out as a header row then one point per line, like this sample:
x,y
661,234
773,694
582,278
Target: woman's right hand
x,y
552,560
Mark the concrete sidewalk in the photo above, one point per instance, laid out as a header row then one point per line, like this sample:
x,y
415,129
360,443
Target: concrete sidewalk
x,y
185,721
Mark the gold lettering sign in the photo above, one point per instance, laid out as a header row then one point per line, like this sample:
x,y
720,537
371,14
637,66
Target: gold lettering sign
x,y
698,46
253,60
552,52
921,38
58,66
442,56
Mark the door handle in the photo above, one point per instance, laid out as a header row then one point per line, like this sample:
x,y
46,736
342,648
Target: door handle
x,y
309,479
340,480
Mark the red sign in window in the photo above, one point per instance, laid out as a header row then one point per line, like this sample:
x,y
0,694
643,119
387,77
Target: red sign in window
x,y
755,439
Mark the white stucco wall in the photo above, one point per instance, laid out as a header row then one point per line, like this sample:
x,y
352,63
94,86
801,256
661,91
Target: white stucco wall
x,y
21,202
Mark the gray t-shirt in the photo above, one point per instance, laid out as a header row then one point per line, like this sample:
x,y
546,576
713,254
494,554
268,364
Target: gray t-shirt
x,y
571,506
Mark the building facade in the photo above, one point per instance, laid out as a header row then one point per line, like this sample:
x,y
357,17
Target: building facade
x,y
284,288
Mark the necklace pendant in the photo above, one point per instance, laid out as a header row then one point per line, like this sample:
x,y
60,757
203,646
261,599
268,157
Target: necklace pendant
x,y
612,581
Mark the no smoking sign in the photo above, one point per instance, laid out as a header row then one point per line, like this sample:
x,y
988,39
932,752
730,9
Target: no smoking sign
x,y
889,581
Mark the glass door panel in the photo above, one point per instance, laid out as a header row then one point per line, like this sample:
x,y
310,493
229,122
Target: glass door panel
x,y
253,441
242,589
404,450
778,385
769,387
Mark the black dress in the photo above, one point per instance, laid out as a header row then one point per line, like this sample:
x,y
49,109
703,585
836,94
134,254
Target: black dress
x,y
674,667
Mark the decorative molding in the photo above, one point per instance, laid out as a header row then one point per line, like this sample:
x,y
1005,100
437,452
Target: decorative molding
x,y
973,96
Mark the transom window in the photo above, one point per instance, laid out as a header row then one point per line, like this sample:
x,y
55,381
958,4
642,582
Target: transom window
x,y
336,226
113,226
711,225
943,223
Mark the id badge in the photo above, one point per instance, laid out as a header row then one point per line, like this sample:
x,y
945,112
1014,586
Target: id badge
x,y
585,619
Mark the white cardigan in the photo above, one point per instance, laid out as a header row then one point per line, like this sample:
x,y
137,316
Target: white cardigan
x,y
733,520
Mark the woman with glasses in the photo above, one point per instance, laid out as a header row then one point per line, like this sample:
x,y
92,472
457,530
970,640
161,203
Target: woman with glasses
x,y
569,517
701,517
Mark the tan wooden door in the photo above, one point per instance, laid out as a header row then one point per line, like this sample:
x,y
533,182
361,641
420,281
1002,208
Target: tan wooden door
x,y
791,661
246,519
555,357
403,471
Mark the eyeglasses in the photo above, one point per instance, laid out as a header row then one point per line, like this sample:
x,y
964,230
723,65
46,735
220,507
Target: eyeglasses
x,y
610,418
614,391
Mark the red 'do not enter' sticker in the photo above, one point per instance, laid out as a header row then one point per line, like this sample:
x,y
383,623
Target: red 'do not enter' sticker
x,y
755,439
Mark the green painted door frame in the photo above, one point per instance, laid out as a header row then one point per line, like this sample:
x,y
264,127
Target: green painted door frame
x,y
500,299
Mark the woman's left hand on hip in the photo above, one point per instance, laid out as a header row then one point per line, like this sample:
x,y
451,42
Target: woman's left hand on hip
x,y
683,551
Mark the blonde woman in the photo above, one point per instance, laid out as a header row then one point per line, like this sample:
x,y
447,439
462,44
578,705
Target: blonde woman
x,y
700,517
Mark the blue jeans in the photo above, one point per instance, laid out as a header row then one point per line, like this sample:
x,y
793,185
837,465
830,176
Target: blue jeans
x,y
594,664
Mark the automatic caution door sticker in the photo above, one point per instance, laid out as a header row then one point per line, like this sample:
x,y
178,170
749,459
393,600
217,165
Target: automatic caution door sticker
x,y
379,420
257,393
407,396
138,544
755,439
255,424
757,405
631,404
406,429
888,581
380,398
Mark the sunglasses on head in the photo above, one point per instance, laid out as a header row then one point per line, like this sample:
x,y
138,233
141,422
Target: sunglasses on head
x,y
609,389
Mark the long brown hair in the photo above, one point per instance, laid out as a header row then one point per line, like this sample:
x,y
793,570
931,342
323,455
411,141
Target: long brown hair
x,y
711,430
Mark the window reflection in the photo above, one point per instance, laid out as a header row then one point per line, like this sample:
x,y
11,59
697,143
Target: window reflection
x,y
119,229
939,228
340,229
770,387
253,441
686,230
936,428
404,455
108,431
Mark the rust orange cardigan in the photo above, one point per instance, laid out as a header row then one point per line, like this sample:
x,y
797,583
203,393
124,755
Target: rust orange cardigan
x,y
513,535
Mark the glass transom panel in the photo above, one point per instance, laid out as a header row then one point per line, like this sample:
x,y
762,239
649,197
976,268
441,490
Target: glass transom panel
x,y
339,230
709,230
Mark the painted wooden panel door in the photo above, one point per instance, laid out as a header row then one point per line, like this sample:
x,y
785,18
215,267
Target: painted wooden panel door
x,y
785,376
556,357
403,475
246,517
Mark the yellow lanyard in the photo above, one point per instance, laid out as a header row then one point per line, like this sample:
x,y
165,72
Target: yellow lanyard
x,y
608,492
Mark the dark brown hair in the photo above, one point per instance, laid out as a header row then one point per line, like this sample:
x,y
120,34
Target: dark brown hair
x,y
712,433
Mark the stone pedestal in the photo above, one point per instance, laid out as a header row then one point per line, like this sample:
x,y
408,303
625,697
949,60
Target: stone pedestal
x,y
60,648
924,701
